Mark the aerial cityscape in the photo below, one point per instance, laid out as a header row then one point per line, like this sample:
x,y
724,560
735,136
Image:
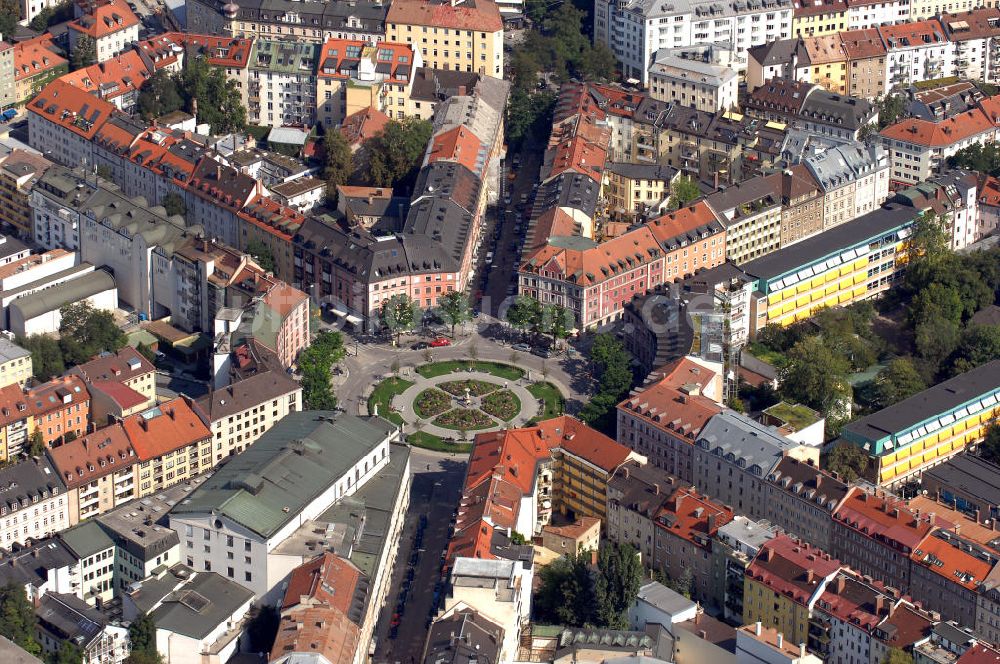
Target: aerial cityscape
x,y
499,331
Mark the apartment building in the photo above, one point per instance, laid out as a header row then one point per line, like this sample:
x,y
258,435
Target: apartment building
x,y
636,493
755,643
19,171
325,458
953,197
584,461
783,584
16,420
112,26
662,420
172,442
282,83
857,260
947,572
65,618
596,280
33,502
824,63
848,618
143,545
734,547
126,366
15,364
917,51
876,535
919,148
974,33
866,64
689,82
968,483
801,500
635,31
633,189
734,455
863,14
854,178
352,76
926,429
243,411
94,555
461,36
269,19
686,526
816,18
98,470
36,63
59,407
802,203
751,212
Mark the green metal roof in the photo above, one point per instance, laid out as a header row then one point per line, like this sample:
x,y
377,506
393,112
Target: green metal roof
x,y
287,468
86,539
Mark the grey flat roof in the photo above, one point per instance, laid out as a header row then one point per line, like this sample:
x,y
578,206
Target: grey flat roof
x,y
11,653
970,474
745,438
10,350
665,599
198,606
286,468
10,245
831,241
86,539
247,393
75,290
930,403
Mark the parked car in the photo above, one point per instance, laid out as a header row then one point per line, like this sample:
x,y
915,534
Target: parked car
x,y
543,352
440,341
524,348
420,345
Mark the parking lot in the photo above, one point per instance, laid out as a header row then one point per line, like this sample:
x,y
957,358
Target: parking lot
x,y
400,635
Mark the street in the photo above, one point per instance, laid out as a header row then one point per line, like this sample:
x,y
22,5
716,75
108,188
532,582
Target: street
x,y
437,484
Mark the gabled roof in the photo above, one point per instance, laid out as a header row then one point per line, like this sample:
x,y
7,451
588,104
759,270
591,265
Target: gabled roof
x,y
165,428
104,20
362,125
36,56
327,580
93,456
71,108
939,134
126,364
56,394
478,15
955,559
884,519
792,568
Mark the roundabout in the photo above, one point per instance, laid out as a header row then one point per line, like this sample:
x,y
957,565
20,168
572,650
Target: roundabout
x,y
443,405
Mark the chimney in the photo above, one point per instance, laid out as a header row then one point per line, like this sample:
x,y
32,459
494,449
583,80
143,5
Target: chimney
x,y
656,487
143,423
781,641
879,604
810,575
711,523
802,651
756,628
931,518
841,583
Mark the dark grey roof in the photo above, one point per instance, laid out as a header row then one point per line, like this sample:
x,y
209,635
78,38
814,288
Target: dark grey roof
x,y
86,539
569,190
10,245
464,637
198,606
831,241
989,315
69,618
448,179
31,565
748,191
932,402
734,436
246,393
837,110
807,481
370,14
969,474
651,111
775,52
21,482
439,84
437,228
642,171
286,469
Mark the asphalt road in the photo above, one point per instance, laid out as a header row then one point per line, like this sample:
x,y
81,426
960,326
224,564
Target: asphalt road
x,y
437,483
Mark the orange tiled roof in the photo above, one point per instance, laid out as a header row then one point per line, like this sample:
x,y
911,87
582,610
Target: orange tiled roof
x,y
399,58
105,20
979,653
591,445
111,78
459,145
35,56
861,44
93,456
950,561
71,108
165,428
124,365
318,631
272,217
913,34
683,221
991,107
13,404
806,8
825,49
478,15
665,406
587,267
123,395
219,51
578,155
989,190
362,125
939,134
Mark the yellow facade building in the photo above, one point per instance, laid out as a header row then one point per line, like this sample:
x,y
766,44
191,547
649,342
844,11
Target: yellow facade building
x,y
462,36
636,188
816,20
584,462
826,61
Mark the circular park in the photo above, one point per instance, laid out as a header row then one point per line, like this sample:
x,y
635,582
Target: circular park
x,y
442,405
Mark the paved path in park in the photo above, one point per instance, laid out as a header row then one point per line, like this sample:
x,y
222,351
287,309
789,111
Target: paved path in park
x,y
403,403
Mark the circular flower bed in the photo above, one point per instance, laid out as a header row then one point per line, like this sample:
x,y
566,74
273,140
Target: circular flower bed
x,y
477,388
431,402
502,404
467,419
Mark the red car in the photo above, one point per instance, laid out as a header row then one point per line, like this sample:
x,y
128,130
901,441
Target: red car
x,y
440,341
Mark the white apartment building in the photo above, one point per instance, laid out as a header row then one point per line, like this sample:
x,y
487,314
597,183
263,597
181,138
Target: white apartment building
x,y
917,51
112,26
919,148
242,412
282,83
95,555
873,13
854,179
701,85
237,517
33,502
635,30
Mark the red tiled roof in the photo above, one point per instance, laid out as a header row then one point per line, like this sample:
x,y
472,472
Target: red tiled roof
x,y
112,78
806,8
124,365
272,217
939,134
105,20
326,580
362,125
165,428
13,404
693,517
459,145
912,34
860,44
989,190
579,155
401,60
792,568
318,631
684,221
591,445
948,560
979,653
55,394
887,518
123,395
93,456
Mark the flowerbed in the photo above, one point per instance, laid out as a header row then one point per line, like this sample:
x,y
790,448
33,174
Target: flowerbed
x,y
502,404
431,402
477,388
467,419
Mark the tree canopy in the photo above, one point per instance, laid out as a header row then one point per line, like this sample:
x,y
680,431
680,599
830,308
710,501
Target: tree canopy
x,y
454,307
159,95
84,332
848,461
394,155
338,160
398,314
315,363
982,157
683,190
816,376
612,366
262,254
17,618
142,634
83,54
